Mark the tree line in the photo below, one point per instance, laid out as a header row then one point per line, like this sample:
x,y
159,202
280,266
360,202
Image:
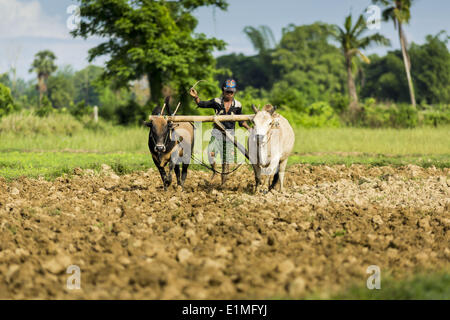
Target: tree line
x,y
318,70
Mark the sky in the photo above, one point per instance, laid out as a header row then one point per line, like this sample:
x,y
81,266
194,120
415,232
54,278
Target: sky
x,y
28,26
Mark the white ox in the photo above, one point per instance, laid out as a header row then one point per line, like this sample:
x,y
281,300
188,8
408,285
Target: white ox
x,y
270,144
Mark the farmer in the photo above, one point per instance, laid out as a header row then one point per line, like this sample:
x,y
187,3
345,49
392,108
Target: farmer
x,y
225,105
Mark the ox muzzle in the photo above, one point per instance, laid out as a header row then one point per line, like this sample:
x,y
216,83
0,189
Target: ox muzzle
x,y
160,148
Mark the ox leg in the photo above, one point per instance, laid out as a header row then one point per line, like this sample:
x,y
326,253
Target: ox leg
x,y
177,174
257,171
184,173
275,179
162,172
281,173
169,175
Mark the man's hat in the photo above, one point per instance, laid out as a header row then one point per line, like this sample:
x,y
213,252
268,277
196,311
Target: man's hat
x,y
229,85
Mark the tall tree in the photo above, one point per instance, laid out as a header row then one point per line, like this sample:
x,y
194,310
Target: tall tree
x,y
352,42
60,86
152,38
310,68
264,43
399,11
87,85
261,38
431,69
43,65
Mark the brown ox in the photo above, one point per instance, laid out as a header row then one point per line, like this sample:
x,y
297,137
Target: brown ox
x,y
170,143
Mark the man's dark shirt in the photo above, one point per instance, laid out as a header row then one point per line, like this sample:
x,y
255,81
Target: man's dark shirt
x,y
218,105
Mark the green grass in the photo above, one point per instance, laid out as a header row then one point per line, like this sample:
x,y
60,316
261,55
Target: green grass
x,y
419,287
125,149
389,142
114,139
54,164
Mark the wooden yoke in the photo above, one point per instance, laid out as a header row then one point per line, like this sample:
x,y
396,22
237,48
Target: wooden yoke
x,y
217,120
233,117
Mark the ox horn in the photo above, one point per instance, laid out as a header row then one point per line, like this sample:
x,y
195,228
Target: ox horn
x,y
162,110
255,110
179,103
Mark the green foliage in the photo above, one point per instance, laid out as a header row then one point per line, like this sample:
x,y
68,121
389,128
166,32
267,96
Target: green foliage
x,y
261,38
51,165
420,287
6,101
43,63
45,108
26,124
61,90
132,113
352,42
247,71
153,38
431,69
249,96
318,114
309,64
88,86
80,110
437,115
403,115
396,10
125,148
110,101
385,78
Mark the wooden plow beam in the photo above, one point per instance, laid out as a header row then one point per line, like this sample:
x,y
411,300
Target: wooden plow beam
x,y
217,120
233,117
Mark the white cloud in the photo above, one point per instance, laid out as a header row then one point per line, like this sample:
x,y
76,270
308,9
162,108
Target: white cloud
x,y
27,19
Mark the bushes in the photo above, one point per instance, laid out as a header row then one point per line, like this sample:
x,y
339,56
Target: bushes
x,y
25,123
402,115
6,101
384,115
80,110
434,115
319,114
132,113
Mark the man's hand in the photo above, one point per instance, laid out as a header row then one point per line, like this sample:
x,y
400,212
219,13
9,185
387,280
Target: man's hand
x,y
193,93
246,126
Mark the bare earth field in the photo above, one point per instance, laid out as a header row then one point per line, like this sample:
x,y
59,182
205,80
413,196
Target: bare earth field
x,y
132,240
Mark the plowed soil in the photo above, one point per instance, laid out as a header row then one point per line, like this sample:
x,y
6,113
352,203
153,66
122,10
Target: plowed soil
x,y
132,240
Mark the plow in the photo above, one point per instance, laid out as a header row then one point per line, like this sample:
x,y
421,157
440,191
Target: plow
x,y
215,119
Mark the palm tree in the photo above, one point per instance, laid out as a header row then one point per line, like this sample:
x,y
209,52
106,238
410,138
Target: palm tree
x,y
352,42
261,38
264,42
43,65
399,12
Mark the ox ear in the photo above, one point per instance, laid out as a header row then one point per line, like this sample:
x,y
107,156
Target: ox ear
x,y
269,108
148,124
254,108
172,125
167,103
